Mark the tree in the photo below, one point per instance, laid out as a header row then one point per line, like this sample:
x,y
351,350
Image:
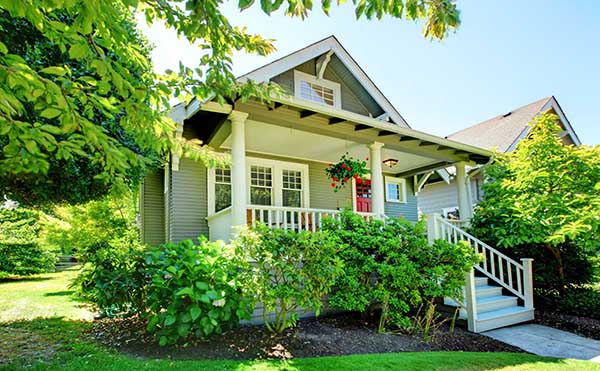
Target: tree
x,y
544,194
51,114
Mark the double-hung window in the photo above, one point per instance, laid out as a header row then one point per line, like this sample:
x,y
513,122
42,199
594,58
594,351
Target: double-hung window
x,y
395,189
261,185
222,188
317,90
291,192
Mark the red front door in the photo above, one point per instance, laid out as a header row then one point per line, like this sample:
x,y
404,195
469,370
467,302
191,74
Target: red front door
x,y
363,197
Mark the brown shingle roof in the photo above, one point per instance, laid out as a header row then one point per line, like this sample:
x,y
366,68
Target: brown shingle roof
x,y
501,131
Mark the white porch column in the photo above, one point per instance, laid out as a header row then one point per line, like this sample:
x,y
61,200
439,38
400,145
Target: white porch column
x,y
464,203
238,169
377,185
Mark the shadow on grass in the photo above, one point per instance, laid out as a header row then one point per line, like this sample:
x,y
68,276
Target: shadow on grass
x,y
60,293
64,345
25,278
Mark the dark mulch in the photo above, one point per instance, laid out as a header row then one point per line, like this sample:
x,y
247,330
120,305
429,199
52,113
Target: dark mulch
x,y
584,326
339,334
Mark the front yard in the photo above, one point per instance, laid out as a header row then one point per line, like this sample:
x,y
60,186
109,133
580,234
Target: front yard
x,y
43,327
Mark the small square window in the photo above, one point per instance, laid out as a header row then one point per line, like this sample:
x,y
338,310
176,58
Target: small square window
x,y
395,189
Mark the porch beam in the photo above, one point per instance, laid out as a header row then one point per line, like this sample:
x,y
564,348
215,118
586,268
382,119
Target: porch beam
x,y
424,169
360,127
336,120
384,133
307,113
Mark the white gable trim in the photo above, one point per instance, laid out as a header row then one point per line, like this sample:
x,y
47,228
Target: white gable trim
x,y
551,103
265,73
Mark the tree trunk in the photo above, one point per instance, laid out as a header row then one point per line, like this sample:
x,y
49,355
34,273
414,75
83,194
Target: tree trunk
x,y
561,269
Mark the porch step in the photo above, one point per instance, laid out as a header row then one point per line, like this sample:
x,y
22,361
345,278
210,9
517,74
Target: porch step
x,y
494,309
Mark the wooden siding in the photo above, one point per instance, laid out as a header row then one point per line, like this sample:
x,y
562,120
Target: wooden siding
x,y
152,210
407,210
350,102
435,197
189,206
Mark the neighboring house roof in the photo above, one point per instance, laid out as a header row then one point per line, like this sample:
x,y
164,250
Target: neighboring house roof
x,y
321,48
503,132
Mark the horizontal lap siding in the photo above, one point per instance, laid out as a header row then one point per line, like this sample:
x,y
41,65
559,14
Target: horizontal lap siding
x,y
152,211
435,197
189,205
322,195
407,210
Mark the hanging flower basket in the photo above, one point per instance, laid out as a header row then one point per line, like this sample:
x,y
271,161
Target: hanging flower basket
x,y
347,168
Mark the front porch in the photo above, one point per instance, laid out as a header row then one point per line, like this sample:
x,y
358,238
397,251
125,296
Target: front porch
x,y
301,137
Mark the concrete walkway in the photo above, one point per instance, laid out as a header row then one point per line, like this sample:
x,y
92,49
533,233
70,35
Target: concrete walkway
x,y
547,341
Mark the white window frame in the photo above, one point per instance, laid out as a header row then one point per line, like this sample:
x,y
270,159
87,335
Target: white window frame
x,y
278,167
402,189
336,87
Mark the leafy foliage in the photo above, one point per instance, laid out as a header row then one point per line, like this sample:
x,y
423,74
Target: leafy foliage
x,y
20,251
291,271
576,300
79,96
390,266
346,169
196,290
544,197
113,277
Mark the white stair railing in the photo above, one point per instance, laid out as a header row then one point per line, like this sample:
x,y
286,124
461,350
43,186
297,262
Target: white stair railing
x,y
508,273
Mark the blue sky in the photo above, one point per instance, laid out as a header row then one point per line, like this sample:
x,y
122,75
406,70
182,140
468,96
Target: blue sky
x,y
504,55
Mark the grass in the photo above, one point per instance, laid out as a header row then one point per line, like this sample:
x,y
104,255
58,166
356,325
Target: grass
x,y
42,327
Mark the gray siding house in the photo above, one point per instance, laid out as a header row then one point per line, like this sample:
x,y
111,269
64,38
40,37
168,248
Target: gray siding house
x,y
501,133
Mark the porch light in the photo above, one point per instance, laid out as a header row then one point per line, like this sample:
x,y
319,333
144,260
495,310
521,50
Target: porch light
x,y
390,162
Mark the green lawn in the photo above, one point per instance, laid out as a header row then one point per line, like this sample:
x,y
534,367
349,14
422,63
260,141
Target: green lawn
x,y
42,327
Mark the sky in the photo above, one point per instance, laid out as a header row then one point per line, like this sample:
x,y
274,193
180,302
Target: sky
x,y
505,54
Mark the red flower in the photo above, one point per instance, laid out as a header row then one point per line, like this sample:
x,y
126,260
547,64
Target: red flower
x,y
359,180
368,181
349,169
343,166
333,184
334,179
345,180
355,176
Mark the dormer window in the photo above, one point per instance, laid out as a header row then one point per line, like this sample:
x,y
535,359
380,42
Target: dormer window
x,y
316,90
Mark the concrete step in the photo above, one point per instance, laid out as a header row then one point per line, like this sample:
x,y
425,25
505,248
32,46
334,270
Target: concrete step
x,y
481,281
493,303
487,291
503,317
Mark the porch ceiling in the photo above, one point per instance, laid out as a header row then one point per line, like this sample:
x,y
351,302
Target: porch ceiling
x,y
301,129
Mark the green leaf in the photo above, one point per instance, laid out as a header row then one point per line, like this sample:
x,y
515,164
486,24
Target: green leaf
x,y
185,291
54,70
50,113
78,51
195,312
202,285
3,48
170,319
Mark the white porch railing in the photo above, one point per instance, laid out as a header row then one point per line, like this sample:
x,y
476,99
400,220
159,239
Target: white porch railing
x,y
460,223
293,218
508,273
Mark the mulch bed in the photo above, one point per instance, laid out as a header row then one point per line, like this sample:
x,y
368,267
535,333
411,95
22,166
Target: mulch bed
x,y
331,335
583,326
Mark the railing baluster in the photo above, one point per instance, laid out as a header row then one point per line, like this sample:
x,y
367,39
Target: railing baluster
x,y
519,283
493,263
509,271
253,216
501,269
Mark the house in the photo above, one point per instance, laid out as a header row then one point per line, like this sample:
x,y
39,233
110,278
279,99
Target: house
x,y
500,133
279,153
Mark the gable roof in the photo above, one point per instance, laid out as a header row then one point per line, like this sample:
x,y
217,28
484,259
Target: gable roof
x,y
503,132
331,43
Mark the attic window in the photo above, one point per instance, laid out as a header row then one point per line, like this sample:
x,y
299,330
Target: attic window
x,y
316,90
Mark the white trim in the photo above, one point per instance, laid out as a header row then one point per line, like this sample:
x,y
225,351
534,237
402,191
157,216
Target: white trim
x,y
300,76
399,181
278,167
265,73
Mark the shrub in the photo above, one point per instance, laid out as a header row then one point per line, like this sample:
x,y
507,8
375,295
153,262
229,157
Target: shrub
x,y
113,277
20,251
291,271
576,300
196,290
391,266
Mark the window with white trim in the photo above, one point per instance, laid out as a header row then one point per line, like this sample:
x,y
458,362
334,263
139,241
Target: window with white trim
x,y
395,189
291,190
261,185
222,188
317,90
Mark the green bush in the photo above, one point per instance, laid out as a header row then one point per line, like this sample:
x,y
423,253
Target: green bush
x,y
291,271
390,266
576,300
20,251
196,289
114,278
